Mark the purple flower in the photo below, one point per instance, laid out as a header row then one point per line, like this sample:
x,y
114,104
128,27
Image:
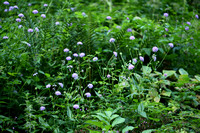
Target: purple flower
x,y
58,93
11,8
0,26
81,55
165,75
155,49
45,5
43,15
35,74
72,8
18,20
108,76
57,23
131,37
30,30
68,58
115,53
28,44
188,23
75,55
66,50
129,30
186,28
108,17
142,58
171,45
90,86
48,86
154,58
166,29
21,15
127,18
20,26
95,59
75,76
76,106
166,14
5,37
88,94
118,27
16,7
42,108
130,67
6,3
135,60
83,14
197,16
112,40
29,4
79,43
61,85
35,11
36,28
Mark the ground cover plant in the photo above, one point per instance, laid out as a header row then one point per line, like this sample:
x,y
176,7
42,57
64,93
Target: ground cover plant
x,y
99,66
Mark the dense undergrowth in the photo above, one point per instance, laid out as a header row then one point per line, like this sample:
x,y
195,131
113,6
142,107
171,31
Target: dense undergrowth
x,y
100,66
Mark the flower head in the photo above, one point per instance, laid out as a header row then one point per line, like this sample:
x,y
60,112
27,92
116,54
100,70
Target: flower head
x,y
108,17
188,23
5,37
108,76
18,20
130,67
43,15
79,43
83,14
135,60
155,49
36,29
131,37
30,30
197,16
90,86
45,5
166,29
112,40
20,26
88,94
61,85
81,55
95,59
129,30
42,108
58,93
118,27
75,55
115,53
68,58
75,76
154,58
57,23
171,45
28,44
166,14
21,15
6,10
35,74
186,28
35,12
165,75
76,106
29,4
66,50
48,86
11,8
6,3
16,7
142,58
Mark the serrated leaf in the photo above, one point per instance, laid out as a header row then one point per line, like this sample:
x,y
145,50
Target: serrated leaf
x,y
118,121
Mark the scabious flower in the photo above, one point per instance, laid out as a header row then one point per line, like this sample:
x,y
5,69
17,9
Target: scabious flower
x,y
108,17
75,55
68,58
48,86
90,86
95,59
5,37
35,12
57,23
11,8
76,106
130,67
6,10
131,37
16,7
72,8
20,26
66,50
154,58
165,75
129,30
155,49
6,3
36,29
21,15
81,55
42,108
28,44
58,93
115,53
75,75
29,4
127,18
83,14
45,5
186,28
171,45
35,74
135,60
18,20
197,16
112,40
108,76
30,30
88,94
188,23
118,27
166,29
142,58
43,15
79,43
61,85
166,14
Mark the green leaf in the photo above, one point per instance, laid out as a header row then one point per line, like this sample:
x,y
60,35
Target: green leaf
x,y
148,131
183,72
127,128
143,114
169,72
146,70
69,113
157,99
147,51
197,77
140,107
113,116
108,113
102,119
48,75
95,123
118,121
166,93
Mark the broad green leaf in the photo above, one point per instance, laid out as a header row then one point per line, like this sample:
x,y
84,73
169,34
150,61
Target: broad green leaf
x,y
118,121
140,107
148,131
169,72
166,93
103,115
113,116
157,99
127,128
95,123
183,72
197,77
108,113
146,70
101,119
143,114
147,51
